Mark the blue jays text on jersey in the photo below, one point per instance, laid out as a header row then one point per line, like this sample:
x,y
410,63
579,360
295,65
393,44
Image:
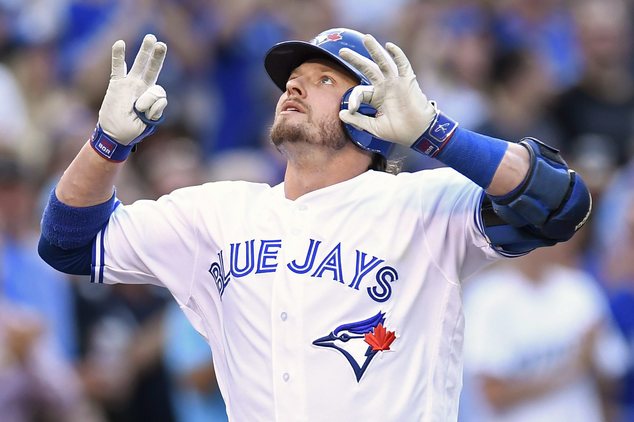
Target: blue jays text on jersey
x,y
317,261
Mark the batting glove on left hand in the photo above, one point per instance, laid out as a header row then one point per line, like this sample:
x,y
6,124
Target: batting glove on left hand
x,y
403,112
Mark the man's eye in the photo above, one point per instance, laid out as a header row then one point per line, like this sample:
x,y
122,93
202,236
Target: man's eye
x,y
326,80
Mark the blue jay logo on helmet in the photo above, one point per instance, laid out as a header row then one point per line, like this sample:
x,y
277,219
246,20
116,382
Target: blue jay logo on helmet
x,y
334,40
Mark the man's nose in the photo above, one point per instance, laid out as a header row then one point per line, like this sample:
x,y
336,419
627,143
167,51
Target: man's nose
x,y
295,88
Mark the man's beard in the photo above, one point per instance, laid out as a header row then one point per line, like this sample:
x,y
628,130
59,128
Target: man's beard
x,y
329,134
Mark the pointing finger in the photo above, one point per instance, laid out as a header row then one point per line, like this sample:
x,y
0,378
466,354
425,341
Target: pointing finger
x,y
365,65
155,63
142,56
402,63
380,57
118,60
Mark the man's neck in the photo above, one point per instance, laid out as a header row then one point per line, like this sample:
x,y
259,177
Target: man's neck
x,y
312,168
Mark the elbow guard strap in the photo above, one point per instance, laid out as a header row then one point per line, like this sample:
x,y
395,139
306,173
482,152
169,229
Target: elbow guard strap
x,y
552,202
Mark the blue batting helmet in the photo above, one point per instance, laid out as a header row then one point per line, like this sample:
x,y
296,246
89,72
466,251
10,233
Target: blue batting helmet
x,y
284,57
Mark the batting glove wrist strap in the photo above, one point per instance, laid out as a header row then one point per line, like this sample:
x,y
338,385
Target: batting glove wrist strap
x,y
112,150
437,135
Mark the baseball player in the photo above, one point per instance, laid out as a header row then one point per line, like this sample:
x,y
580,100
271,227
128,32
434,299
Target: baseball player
x,y
334,295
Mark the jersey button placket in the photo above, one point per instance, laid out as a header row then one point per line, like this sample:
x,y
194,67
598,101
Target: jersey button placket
x,y
288,300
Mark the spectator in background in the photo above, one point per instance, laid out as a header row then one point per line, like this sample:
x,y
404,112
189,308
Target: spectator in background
x,y
452,48
612,260
25,281
218,86
13,111
194,389
464,65
378,17
539,345
243,91
544,26
596,114
121,345
36,384
37,331
520,94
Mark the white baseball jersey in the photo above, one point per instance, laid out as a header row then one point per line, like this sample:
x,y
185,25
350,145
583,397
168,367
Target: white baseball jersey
x,y
341,305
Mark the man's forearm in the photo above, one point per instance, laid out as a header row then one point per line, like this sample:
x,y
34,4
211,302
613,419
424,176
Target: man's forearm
x,y
89,180
503,394
511,172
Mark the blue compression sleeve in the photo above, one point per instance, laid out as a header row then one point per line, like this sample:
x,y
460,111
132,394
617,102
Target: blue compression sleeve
x,y
68,232
71,227
473,155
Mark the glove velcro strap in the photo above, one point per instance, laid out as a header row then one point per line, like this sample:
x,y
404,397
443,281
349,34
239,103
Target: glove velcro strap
x,y
108,148
437,135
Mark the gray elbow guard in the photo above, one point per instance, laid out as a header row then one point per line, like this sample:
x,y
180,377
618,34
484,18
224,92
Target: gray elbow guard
x,y
549,206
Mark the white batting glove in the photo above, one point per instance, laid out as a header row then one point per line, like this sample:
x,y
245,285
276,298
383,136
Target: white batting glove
x,y
137,89
403,111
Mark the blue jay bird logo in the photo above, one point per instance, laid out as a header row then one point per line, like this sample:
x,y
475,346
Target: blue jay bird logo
x,y
359,341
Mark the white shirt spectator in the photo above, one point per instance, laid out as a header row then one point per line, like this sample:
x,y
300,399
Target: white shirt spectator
x,y
527,331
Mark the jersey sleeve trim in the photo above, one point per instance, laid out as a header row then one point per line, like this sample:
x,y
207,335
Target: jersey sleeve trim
x,y
480,225
479,222
485,217
96,272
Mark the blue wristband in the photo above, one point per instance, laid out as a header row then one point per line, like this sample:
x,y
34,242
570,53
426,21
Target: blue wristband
x,y
474,155
471,154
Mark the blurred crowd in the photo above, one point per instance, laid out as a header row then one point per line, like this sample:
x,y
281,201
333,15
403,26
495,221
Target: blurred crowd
x,y
548,337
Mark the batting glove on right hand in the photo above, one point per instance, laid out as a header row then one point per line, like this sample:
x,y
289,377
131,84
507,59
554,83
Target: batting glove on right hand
x,y
133,103
404,114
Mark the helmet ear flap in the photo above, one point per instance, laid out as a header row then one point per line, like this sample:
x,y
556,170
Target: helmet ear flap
x,y
361,138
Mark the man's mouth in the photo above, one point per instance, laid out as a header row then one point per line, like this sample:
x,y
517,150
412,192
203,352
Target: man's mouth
x,y
291,106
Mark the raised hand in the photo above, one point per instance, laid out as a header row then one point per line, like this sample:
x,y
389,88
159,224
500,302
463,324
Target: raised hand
x,y
403,111
133,103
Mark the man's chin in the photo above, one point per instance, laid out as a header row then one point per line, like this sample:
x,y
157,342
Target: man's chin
x,y
286,132
291,133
